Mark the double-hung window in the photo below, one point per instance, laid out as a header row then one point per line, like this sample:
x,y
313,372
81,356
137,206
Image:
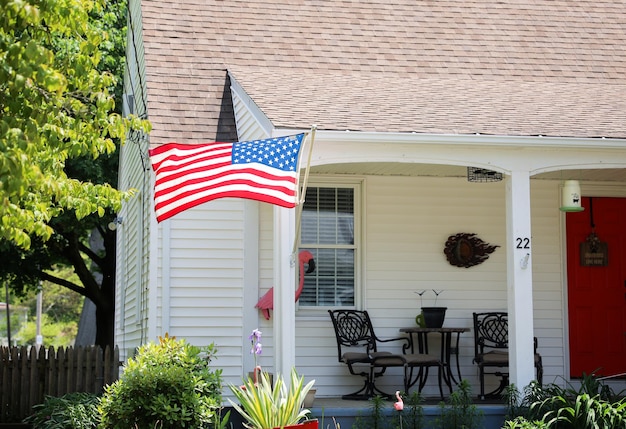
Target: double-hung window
x,y
330,231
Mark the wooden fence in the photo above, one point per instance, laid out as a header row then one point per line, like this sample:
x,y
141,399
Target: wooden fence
x,y
28,375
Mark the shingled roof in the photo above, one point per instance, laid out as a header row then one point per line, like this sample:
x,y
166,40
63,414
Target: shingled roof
x,y
511,68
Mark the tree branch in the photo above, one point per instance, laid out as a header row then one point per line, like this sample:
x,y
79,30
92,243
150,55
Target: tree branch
x,y
90,254
65,283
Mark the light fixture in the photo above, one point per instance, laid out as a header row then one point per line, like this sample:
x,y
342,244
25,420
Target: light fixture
x,y
477,174
570,197
115,222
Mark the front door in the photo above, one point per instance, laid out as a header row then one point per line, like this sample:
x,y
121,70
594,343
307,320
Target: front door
x,y
597,288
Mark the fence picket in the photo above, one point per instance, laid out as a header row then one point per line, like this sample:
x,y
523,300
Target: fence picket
x,y
27,375
14,399
34,377
51,366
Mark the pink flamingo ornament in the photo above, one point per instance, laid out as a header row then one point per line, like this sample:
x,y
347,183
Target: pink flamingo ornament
x,y
399,406
266,303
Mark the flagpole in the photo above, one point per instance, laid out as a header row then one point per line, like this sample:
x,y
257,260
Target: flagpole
x,y
302,196
308,164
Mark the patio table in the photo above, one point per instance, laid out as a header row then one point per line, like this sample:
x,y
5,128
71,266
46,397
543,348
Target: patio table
x,y
418,337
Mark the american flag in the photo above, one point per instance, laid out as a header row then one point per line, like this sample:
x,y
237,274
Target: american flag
x,y
191,174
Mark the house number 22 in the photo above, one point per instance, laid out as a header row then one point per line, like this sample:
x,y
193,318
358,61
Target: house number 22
x,y
522,243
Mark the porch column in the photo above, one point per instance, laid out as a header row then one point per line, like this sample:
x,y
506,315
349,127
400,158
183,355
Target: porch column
x,y
519,279
284,313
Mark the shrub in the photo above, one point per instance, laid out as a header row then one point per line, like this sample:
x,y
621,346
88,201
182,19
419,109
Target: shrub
x,y
592,405
459,411
167,385
71,411
522,423
586,412
376,418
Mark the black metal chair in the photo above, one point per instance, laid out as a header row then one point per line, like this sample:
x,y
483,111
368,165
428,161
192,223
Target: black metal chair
x,y
491,350
357,347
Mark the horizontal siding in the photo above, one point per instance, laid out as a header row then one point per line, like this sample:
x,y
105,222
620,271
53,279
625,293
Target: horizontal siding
x,y
548,279
206,263
408,220
133,245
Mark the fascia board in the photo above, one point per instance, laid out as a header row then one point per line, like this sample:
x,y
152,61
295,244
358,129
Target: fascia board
x,y
461,140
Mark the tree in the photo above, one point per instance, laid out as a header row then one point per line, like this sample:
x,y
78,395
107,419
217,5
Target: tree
x,y
58,135
60,316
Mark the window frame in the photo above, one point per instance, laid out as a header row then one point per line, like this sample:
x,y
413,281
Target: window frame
x,y
358,186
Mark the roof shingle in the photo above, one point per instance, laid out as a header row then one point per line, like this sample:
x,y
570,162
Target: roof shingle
x,y
553,68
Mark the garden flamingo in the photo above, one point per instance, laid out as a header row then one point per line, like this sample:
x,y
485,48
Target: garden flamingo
x,y
399,406
266,303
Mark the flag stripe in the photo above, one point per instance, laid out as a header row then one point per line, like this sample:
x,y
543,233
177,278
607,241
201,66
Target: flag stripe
x,y
205,185
188,175
205,179
234,190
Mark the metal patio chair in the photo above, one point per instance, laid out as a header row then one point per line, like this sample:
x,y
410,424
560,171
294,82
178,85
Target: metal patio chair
x,y
357,347
491,350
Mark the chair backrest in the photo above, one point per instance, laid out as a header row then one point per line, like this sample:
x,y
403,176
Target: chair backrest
x,y
491,330
353,328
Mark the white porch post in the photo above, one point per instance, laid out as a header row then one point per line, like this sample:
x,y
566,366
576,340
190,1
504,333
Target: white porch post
x,y
519,279
284,291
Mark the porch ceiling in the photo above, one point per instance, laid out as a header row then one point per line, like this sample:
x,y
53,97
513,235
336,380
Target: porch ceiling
x,y
438,170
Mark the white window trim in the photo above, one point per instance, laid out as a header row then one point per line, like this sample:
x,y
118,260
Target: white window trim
x,y
358,184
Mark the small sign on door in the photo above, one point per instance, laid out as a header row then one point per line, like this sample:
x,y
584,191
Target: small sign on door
x,y
593,252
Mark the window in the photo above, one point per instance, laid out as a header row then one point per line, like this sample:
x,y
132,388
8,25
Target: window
x,y
328,231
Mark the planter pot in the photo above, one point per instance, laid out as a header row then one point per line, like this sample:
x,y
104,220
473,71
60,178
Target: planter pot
x,y
257,379
434,316
309,398
307,424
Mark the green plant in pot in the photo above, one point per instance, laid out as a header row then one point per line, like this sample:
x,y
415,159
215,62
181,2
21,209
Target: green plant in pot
x,y
431,317
264,406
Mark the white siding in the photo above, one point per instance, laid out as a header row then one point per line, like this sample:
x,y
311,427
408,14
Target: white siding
x,y
206,263
134,231
407,221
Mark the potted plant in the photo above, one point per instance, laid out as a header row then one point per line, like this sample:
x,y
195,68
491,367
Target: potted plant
x,y
264,406
431,317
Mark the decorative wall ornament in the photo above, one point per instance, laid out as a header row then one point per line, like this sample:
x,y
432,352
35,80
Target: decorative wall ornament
x,y
466,250
593,252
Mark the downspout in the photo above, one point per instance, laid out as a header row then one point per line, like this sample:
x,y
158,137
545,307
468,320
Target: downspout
x,y
165,277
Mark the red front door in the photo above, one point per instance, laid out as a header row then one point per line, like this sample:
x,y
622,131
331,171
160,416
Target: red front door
x,y
597,294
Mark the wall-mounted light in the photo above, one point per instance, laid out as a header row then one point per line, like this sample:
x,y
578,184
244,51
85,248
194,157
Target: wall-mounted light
x,y
570,197
115,222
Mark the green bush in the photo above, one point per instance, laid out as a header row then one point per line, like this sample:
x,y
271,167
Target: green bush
x,y
586,412
71,411
459,412
592,405
522,423
168,385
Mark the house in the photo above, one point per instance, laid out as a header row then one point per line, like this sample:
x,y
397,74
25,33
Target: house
x,y
406,96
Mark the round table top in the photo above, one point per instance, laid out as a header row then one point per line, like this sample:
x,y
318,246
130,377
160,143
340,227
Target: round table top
x,y
418,329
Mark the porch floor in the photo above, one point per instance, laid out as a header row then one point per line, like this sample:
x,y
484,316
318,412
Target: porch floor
x,y
347,403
